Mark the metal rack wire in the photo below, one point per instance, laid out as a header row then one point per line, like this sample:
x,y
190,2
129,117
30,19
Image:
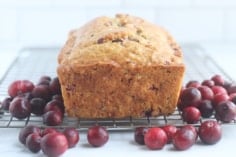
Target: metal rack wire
x,y
32,63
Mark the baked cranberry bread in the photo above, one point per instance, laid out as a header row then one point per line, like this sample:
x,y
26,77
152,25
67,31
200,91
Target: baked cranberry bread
x,y
120,67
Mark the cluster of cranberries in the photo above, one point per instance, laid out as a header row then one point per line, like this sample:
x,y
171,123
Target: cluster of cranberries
x,y
211,97
156,138
43,99
214,98
51,141
54,142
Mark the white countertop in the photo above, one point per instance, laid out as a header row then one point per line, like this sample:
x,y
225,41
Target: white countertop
x,y
122,143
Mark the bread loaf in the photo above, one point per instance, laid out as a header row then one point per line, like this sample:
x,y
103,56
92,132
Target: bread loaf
x,y
120,67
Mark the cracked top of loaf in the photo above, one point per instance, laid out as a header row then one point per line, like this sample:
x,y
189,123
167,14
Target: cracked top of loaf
x,y
123,41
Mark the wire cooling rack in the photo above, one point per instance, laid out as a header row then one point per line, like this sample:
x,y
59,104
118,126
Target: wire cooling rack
x,y
32,63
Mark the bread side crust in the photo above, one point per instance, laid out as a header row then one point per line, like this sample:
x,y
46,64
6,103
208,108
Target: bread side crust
x,y
108,91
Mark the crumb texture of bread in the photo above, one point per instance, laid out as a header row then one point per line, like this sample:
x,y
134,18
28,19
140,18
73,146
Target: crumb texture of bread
x,y
120,67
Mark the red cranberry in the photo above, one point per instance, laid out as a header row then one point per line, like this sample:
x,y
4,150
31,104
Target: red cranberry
x,y
218,79
218,90
194,104
225,111
44,80
48,131
219,98
227,85
6,103
191,114
232,89
210,132
33,142
45,77
37,106
54,145
206,108
20,108
232,97
54,105
191,127
190,96
139,135
193,83
155,138
180,105
170,130
27,96
97,136
206,92
72,136
208,83
184,138
52,118
42,91
55,86
24,132
19,87
57,97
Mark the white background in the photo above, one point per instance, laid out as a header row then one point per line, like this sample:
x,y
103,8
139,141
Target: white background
x,y
47,22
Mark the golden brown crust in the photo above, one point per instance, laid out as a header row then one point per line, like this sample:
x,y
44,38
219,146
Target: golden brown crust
x,y
120,67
